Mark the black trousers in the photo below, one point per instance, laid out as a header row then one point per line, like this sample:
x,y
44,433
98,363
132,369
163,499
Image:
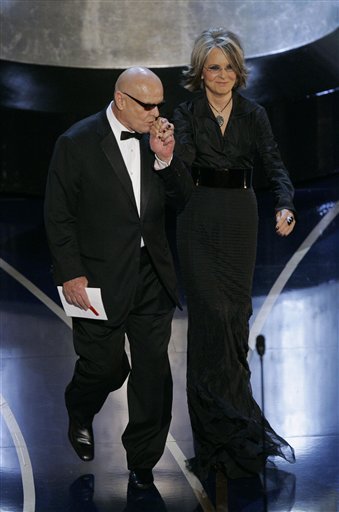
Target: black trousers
x,y
103,366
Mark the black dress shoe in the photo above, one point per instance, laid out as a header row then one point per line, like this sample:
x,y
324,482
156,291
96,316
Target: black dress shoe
x,y
81,494
82,440
141,478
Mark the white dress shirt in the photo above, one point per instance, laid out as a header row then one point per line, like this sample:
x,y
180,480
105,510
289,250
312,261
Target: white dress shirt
x,y
130,151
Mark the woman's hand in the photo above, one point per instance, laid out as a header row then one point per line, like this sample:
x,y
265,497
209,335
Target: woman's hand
x,y
162,139
285,222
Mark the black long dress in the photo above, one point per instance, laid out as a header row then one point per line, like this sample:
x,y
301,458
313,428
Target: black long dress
x,y
217,237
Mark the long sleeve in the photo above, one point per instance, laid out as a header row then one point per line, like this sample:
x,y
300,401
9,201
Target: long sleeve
x,y
178,184
183,126
274,167
60,211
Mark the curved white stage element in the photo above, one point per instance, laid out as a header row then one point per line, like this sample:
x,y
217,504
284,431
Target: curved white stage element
x,y
117,34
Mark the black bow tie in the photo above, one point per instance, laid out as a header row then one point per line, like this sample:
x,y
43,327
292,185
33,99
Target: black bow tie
x,y
130,135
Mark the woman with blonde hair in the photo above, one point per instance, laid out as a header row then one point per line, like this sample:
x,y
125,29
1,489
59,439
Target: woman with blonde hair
x,y
219,135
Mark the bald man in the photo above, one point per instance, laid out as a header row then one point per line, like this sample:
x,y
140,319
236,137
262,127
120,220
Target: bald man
x,y
110,179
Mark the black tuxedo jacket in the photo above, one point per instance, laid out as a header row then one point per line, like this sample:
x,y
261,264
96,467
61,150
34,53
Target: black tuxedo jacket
x,y
92,223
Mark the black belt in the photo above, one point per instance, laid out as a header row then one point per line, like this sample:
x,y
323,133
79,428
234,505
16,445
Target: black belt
x,y
222,178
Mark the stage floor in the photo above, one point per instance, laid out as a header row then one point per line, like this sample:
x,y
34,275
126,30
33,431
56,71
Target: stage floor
x,y
296,305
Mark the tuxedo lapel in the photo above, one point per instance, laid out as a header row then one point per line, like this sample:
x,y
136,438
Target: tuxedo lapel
x,y
146,174
111,149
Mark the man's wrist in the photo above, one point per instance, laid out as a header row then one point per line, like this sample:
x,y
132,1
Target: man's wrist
x,y
161,164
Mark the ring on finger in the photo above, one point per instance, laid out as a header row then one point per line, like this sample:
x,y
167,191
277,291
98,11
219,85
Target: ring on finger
x,y
289,219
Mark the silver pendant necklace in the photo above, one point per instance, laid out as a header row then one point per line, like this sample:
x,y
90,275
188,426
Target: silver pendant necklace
x,y
220,120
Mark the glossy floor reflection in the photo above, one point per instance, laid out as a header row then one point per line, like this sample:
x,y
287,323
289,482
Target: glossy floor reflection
x,y
39,471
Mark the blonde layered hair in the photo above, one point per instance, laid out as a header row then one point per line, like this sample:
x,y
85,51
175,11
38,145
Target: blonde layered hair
x,y
209,39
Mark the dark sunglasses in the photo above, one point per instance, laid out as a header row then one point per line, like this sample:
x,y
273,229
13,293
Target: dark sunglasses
x,y
146,106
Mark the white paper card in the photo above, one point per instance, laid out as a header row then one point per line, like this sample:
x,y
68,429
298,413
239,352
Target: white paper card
x,y
94,295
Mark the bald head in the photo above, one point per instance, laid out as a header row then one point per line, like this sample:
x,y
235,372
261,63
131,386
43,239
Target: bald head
x,y
137,78
138,92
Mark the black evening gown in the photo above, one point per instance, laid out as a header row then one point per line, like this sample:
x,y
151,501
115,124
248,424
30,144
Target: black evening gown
x,y
217,237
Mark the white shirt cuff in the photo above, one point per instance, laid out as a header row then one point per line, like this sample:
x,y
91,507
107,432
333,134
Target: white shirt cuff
x,y
160,164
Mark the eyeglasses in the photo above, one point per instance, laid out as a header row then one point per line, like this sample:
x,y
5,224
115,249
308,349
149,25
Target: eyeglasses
x,y
146,106
215,69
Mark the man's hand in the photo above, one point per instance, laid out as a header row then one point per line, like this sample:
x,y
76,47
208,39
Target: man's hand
x,y
162,139
75,292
